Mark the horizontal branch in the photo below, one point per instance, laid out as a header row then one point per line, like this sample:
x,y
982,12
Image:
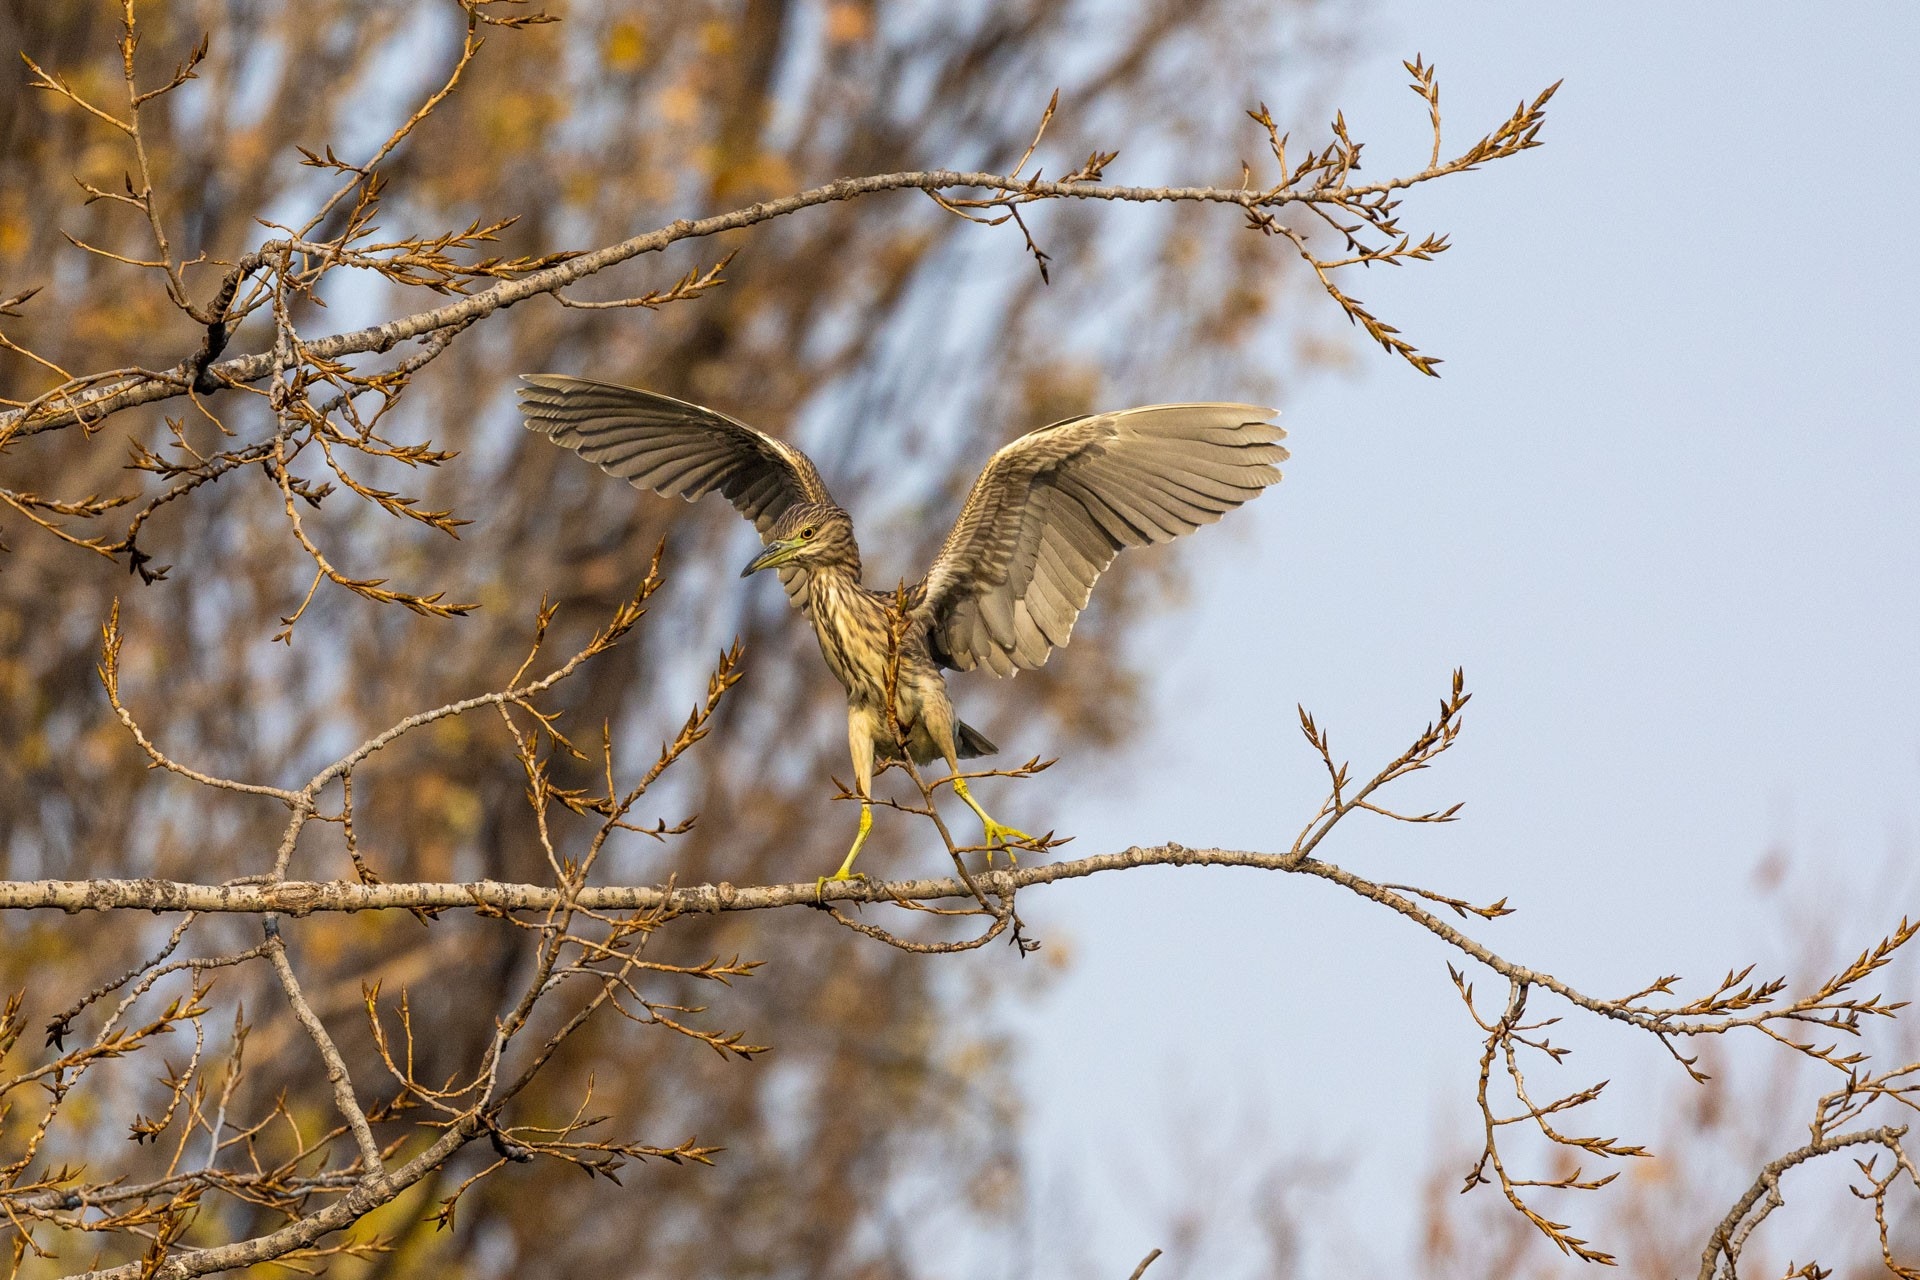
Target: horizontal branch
x,y
146,388
301,897
297,897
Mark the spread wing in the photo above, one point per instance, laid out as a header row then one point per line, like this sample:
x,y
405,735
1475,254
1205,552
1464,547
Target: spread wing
x,y
1053,508
676,449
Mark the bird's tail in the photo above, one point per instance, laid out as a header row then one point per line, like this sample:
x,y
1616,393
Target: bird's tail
x,y
972,742
967,740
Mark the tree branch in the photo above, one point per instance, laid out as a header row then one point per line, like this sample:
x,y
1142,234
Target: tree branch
x,y
147,388
344,1212
298,897
1730,1235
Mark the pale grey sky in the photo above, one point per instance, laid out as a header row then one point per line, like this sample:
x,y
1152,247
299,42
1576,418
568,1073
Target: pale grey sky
x,y
1661,507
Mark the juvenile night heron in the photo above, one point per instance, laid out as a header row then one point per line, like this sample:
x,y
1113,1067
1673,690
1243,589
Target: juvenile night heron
x,y
1043,521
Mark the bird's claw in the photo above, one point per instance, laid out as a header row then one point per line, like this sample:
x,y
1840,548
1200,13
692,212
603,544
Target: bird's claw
x,y
820,885
998,833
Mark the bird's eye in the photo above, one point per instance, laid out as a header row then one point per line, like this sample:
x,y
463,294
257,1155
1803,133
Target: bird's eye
x,y
807,532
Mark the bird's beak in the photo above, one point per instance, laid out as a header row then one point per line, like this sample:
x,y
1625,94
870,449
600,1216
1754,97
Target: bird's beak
x,y
776,553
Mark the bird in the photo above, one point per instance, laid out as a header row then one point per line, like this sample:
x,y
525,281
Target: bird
x,y
1044,519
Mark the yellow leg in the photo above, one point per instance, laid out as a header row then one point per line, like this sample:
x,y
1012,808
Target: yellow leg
x,y
846,871
997,833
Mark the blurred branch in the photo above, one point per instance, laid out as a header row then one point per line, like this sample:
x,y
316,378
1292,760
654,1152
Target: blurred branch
x,y
576,947
363,1198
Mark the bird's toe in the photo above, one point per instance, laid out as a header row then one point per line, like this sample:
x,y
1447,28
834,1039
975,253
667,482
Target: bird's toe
x,y
1005,838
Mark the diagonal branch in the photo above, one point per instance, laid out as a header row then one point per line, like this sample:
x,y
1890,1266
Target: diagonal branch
x,y
337,1075
1722,1254
91,406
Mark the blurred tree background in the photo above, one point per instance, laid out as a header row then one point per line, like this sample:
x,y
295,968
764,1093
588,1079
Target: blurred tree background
x,y
895,342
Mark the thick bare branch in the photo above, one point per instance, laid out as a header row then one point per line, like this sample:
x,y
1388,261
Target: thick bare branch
x,y
299,898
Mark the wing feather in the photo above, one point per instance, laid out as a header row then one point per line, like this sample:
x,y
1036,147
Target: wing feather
x,y
1056,609
1052,509
676,449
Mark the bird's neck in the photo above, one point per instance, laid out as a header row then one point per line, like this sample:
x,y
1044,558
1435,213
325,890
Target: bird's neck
x,y
840,572
853,626
834,578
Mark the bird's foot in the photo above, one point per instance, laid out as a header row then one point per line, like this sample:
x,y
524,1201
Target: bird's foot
x,y
846,871
820,885
1004,836
998,833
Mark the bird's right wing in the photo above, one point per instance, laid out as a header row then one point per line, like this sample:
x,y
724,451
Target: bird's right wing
x,y
676,449
1053,508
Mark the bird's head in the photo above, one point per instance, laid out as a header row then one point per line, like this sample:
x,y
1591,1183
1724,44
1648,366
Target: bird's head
x,y
808,533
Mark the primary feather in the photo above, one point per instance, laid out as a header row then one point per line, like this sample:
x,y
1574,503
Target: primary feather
x,y
1053,508
676,449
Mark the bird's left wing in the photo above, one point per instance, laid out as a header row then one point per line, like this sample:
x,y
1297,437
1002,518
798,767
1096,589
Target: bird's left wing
x,y
1053,508
674,448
